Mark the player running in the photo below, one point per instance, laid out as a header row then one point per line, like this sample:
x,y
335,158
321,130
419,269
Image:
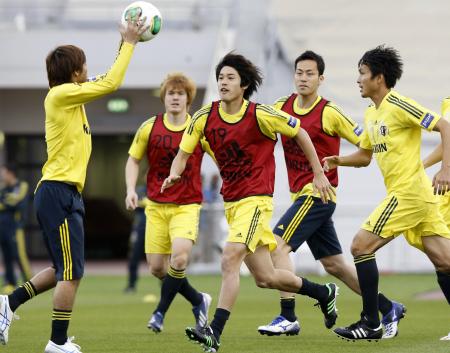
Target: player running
x,y
309,219
392,134
172,218
242,136
433,158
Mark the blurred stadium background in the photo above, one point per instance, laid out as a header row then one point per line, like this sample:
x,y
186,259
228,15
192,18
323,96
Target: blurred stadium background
x,y
196,33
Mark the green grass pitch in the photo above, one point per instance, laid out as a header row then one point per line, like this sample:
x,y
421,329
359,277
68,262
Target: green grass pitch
x,y
107,321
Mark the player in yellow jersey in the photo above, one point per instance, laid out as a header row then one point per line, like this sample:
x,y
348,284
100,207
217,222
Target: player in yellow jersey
x,y
242,136
308,219
433,158
172,219
58,200
393,127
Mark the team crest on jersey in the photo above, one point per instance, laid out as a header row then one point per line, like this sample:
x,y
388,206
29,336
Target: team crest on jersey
x,y
427,119
292,121
358,130
383,129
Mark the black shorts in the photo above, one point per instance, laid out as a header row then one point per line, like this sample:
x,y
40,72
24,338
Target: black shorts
x,y
60,211
309,219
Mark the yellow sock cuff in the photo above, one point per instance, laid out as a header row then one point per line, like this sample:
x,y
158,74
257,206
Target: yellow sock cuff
x,y
61,314
176,273
363,258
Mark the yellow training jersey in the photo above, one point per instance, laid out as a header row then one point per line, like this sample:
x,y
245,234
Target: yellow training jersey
x,y
67,131
334,122
446,108
270,120
393,133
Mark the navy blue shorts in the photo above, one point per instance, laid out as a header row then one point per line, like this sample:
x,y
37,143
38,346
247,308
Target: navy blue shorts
x,y
309,219
60,211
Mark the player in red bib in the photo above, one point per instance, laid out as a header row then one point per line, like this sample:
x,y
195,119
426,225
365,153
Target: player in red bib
x,y
309,219
172,218
242,136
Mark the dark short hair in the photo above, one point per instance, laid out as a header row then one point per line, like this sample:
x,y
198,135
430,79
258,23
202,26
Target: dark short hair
x,y
62,62
249,73
310,55
384,61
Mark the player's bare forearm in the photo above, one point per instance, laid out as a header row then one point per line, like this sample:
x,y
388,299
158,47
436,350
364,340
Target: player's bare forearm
x,y
304,141
444,128
360,158
320,181
441,181
179,163
434,157
177,168
131,176
131,173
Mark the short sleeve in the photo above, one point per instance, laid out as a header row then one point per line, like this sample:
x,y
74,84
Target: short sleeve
x,y
336,122
273,121
195,130
278,104
412,113
365,141
140,142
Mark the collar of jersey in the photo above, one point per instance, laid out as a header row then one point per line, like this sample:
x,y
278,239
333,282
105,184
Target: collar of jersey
x,y
175,128
300,111
390,93
233,118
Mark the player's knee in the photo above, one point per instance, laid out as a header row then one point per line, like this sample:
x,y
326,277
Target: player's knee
x,y
264,280
443,266
262,283
231,261
334,269
158,271
179,261
229,265
357,248
282,250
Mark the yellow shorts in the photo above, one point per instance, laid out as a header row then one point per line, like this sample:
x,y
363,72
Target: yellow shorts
x,y
249,221
166,221
444,207
414,218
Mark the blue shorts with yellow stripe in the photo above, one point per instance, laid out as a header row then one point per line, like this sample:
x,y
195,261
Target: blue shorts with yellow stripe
x,y
309,219
60,211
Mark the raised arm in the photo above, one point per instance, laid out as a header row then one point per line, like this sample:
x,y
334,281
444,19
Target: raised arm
x,y
177,168
75,94
320,181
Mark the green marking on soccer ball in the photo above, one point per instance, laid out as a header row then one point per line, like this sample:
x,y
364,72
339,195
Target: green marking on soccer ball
x,y
156,25
134,13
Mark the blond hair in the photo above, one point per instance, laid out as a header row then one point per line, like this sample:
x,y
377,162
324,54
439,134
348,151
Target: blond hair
x,y
181,81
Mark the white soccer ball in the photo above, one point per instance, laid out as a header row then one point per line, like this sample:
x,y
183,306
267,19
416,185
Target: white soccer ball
x,y
144,9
